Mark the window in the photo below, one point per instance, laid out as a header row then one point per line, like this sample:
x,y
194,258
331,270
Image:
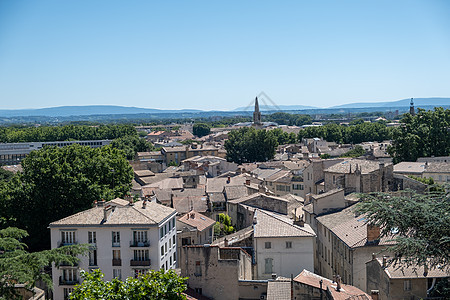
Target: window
x,y
162,250
116,238
140,236
165,247
116,254
170,261
407,285
141,255
175,257
170,224
167,267
93,257
198,269
117,273
67,237
161,233
173,222
173,240
288,245
268,265
67,292
267,245
199,291
69,275
139,272
92,237
170,244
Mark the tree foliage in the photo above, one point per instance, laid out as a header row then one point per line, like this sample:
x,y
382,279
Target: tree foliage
x,y
19,266
355,152
223,226
151,286
421,223
425,134
131,144
64,133
283,137
283,118
201,129
353,134
58,182
250,145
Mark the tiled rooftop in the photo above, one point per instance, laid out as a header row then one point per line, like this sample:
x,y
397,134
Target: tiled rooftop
x,y
153,213
197,220
366,166
271,225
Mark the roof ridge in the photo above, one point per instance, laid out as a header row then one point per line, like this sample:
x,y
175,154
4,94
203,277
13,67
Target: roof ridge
x,y
284,221
76,214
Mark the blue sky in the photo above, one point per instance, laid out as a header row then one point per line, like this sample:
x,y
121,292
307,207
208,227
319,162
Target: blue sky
x,y
220,55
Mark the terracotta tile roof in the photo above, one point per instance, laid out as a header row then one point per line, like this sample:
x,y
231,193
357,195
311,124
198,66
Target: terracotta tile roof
x,y
217,184
184,204
168,183
197,220
279,290
402,271
347,291
153,213
234,192
216,197
143,173
409,167
438,167
349,227
271,225
366,166
332,192
163,195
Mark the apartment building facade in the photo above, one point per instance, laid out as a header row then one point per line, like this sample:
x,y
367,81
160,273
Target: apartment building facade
x,y
125,240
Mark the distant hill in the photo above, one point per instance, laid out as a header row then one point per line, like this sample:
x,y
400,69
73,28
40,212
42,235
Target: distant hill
x,y
418,102
64,111
273,108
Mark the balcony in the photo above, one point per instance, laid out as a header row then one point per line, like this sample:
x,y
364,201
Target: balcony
x,y
116,244
61,244
140,263
139,244
67,264
116,262
63,281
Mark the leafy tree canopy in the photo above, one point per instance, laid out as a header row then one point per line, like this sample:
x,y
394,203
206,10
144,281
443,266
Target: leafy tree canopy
x,y
250,145
58,182
131,144
421,223
154,285
19,266
425,134
223,227
355,152
201,129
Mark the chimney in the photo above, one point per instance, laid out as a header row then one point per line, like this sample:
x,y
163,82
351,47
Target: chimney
x,y
247,181
225,242
300,222
274,276
192,215
101,203
144,203
375,294
106,209
373,233
384,261
187,216
228,179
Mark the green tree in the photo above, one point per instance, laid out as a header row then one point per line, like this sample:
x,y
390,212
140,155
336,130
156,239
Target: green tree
x,y
19,266
420,222
250,145
355,152
223,226
425,134
58,182
131,144
201,129
154,285
5,175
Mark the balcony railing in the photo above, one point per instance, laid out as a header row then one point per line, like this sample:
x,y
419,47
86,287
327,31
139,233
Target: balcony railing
x,y
63,281
139,244
142,263
60,244
116,262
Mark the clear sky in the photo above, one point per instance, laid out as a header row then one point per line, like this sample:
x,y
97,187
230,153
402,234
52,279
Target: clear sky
x,y
221,54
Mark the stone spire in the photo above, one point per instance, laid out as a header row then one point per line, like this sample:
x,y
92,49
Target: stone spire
x,y
256,114
411,108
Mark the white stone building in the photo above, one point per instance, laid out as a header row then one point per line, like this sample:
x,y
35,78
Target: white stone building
x,y
281,247
126,239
